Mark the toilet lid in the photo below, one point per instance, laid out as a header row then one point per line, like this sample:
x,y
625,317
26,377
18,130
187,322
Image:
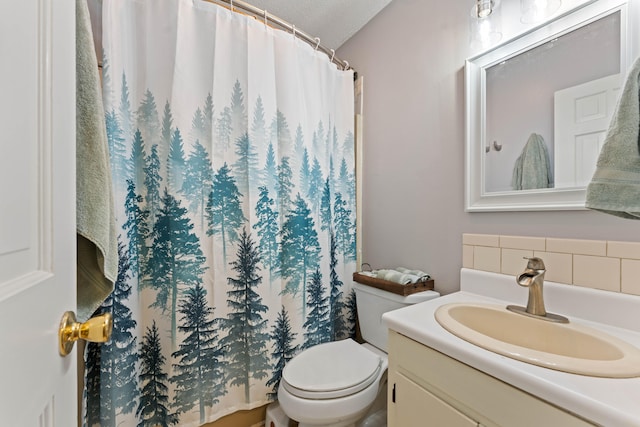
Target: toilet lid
x,y
331,370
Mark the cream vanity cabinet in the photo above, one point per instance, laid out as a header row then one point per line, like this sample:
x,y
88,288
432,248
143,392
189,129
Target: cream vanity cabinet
x,y
428,388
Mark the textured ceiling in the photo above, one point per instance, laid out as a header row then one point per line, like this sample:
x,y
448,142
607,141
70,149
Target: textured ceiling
x,y
334,21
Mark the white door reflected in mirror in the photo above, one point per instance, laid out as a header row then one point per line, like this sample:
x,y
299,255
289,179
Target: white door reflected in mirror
x,y
582,115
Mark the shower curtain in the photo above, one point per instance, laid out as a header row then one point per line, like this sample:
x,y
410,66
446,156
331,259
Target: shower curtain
x,y
232,153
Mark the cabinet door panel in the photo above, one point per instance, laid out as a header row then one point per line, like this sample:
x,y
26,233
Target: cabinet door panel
x,y
416,407
488,400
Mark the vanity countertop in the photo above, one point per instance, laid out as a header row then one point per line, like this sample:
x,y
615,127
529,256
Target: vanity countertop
x,y
604,401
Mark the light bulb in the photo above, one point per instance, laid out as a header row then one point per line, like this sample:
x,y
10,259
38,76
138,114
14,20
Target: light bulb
x,y
483,8
537,10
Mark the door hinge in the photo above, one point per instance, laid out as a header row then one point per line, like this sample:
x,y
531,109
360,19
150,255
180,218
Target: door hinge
x,y
393,393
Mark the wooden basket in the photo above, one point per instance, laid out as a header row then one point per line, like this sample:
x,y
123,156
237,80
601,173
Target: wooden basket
x,y
394,287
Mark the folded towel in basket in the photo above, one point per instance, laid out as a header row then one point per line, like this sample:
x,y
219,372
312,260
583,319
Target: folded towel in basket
x,y
397,276
422,276
368,274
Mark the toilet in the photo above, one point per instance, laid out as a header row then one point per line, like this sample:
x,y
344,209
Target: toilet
x,y
343,383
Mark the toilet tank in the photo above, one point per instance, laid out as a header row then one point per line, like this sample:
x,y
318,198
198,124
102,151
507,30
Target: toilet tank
x,y
372,303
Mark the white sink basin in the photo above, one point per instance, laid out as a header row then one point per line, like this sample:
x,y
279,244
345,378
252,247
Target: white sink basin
x,y
564,347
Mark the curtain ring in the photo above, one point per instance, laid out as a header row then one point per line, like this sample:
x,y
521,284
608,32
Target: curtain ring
x,y
346,65
333,53
293,30
231,3
265,18
317,42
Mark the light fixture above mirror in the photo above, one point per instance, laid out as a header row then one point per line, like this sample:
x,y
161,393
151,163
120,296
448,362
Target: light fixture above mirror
x,y
485,24
534,11
483,8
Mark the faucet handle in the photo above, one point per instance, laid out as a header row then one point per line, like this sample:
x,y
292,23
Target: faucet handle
x,y
535,263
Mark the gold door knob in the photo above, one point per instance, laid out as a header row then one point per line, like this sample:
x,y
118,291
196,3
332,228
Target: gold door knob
x,y
96,329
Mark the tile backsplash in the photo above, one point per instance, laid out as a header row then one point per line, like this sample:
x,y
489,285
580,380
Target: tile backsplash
x,y
600,264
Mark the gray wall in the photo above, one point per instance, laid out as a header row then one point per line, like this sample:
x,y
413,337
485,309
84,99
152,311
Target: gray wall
x,y
412,58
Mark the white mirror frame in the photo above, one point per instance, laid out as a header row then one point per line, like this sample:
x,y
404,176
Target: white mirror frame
x,y
476,198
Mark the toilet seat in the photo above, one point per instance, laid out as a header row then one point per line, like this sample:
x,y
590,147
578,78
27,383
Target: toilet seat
x,y
331,370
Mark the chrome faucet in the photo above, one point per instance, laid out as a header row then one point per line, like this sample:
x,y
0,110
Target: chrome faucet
x,y
533,278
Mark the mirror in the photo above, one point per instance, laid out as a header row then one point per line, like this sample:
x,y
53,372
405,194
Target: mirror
x,y
537,111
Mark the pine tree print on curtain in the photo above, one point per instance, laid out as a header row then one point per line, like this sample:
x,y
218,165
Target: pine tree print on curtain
x,y
284,349
110,372
137,229
317,326
224,212
198,180
238,221
300,251
176,261
267,226
152,182
284,187
175,162
247,338
117,147
138,160
337,322
124,110
153,409
199,378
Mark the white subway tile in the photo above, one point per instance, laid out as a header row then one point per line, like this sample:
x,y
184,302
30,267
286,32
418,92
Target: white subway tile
x,y
519,242
631,276
596,272
613,266
629,250
577,246
467,256
492,240
486,259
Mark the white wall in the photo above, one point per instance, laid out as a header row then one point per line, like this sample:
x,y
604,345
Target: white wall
x,y
412,58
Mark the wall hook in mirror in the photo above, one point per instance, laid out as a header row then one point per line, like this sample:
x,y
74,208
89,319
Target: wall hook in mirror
x,y
497,146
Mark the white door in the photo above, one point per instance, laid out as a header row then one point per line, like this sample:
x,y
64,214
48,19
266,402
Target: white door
x,y
37,211
581,118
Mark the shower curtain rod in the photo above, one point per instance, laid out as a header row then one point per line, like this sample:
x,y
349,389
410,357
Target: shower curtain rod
x,y
272,19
